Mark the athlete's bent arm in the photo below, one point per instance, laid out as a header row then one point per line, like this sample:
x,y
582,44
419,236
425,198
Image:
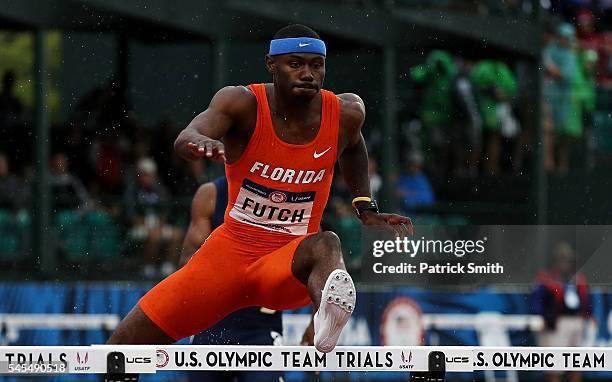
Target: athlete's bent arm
x,y
202,137
353,160
200,226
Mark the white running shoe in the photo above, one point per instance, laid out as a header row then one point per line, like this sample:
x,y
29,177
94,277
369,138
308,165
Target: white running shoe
x,y
337,305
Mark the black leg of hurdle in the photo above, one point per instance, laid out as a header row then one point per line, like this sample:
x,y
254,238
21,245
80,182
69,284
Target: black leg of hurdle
x,y
436,372
4,334
115,369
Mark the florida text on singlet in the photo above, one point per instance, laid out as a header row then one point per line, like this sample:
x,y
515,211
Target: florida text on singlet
x,y
279,190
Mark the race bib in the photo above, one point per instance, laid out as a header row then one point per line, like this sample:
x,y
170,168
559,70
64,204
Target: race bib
x,y
274,210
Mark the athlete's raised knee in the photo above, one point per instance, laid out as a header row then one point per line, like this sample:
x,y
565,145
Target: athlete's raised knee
x,y
320,248
326,249
326,241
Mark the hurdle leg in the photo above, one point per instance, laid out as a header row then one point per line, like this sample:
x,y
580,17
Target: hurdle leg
x,y
436,372
115,369
120,378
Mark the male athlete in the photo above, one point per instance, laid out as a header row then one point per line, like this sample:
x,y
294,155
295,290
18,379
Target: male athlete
x,y
248,326
279,142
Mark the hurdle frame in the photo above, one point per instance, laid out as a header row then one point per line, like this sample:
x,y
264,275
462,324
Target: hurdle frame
x,y
425,363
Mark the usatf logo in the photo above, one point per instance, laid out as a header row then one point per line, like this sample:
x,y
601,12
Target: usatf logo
x,y
162,358
406,359
82,361
278,197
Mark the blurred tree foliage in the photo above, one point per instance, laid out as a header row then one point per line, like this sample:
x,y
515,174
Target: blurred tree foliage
x,y
17,54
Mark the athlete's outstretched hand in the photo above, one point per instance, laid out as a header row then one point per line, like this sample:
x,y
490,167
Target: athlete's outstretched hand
x,y
209,148
400,224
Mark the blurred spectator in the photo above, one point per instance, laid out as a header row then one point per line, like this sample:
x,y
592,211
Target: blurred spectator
x,y
585,30
162,142
88,110
561,297
11,189
100,108
495,87
469,123
560,71
67,190
604,71
74,141
114,109
139,150
601,43
14,134
108,162
189,176
12,219
413,187
11,108
436,109
338,187
583,101
349,230
375,178
568,8
147,206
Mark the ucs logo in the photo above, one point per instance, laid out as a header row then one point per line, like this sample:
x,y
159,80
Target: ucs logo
x,y
139,360
457,360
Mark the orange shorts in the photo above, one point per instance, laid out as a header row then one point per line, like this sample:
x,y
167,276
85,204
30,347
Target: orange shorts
x,y
221,277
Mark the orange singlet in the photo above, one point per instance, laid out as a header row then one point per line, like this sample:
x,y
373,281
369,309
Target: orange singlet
x,y
277,194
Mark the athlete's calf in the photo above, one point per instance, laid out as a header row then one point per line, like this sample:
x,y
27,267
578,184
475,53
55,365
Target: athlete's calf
x,y
318,264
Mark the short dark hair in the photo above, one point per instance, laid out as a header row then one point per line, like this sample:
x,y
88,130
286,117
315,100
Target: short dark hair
x,y
296,30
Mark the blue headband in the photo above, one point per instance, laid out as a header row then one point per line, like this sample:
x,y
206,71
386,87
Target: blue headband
x,y
297,45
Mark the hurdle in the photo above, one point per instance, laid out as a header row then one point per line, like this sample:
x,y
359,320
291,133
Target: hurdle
x,y
425,363
12,324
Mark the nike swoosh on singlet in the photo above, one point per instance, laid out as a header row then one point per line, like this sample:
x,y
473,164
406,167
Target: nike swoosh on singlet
x,y
318,155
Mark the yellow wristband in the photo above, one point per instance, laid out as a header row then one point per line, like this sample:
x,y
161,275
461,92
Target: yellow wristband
x,y
361,199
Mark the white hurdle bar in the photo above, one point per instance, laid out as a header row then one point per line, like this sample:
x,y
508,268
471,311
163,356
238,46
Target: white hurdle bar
x,y
151,358
12,324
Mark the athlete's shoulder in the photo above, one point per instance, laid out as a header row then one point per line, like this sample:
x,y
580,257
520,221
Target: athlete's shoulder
x,y
352,110
351,100
238,91
234,99
205,190
204,200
